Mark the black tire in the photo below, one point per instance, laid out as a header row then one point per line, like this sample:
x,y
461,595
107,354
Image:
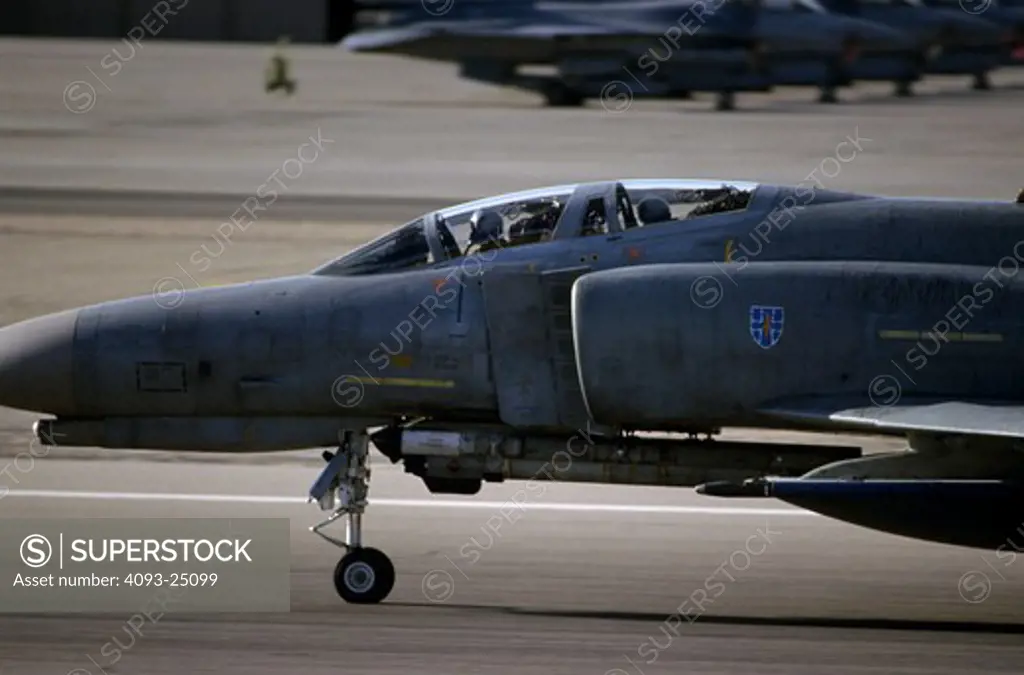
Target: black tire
x,y
725,100
364,576
558,95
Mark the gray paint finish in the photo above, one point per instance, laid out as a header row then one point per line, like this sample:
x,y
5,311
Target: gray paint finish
x,y
761,306
651,357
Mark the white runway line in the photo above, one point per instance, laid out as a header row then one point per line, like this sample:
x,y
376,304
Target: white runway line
x,y
411,503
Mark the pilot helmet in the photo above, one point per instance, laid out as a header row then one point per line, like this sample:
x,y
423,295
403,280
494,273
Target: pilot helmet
x,y
554,212
654,210
485,225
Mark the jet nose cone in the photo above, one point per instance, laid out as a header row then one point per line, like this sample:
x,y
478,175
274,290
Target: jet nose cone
x,y
36,366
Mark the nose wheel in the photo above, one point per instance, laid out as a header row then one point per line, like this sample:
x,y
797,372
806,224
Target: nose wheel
x,y
364,575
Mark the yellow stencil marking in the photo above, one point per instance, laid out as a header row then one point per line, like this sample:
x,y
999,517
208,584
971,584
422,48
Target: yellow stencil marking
x,y
950,337
413,382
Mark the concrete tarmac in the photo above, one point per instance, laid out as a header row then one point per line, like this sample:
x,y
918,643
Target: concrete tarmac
x,y
579,580
195,119
102,203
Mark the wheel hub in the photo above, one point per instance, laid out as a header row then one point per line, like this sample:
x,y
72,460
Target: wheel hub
x,y
359,577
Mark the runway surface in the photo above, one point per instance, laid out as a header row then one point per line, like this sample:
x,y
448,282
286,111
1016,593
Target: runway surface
x,y
195,119
580,581
106,202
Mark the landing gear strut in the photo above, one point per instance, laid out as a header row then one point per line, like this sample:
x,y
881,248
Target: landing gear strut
x,y
363,575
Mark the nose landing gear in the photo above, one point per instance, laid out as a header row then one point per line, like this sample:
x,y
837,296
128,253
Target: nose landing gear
x,y
364,575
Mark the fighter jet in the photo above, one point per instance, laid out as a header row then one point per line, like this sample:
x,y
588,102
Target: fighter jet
x,y
949,40
531,336
617,51
839,44
1006,16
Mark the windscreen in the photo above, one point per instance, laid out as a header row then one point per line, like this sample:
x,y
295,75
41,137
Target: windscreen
x,y
400,249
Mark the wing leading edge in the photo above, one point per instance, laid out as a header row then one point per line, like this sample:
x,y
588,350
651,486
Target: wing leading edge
x,y
939,417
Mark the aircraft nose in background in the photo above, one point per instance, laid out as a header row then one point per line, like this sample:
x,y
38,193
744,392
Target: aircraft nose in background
x,y
36,364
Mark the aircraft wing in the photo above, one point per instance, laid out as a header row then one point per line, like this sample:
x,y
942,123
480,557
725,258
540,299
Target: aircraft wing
x,y
543,33
542,30
993,419
969,497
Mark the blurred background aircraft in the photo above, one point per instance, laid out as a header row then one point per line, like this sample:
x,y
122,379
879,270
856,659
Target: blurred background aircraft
x,y
569,51
653,48
670,48
952,41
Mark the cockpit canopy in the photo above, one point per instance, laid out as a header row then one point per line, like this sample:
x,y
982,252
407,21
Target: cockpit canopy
x,y
536,216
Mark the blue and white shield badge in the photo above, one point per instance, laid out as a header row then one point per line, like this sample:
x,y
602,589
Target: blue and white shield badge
x,y
766,325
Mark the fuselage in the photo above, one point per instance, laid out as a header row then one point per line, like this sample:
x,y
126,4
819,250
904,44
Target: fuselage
x,y
281,363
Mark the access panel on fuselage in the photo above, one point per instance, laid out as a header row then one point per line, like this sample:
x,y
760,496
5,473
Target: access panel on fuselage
x,y
518,336
532,354
133,358
557,285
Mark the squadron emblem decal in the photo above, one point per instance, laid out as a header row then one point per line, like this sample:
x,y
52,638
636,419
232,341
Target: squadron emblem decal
x,y
766,325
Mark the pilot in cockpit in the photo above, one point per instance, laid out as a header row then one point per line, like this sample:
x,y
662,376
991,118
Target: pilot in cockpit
x,y
594,220
653,210
486,233
537,227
